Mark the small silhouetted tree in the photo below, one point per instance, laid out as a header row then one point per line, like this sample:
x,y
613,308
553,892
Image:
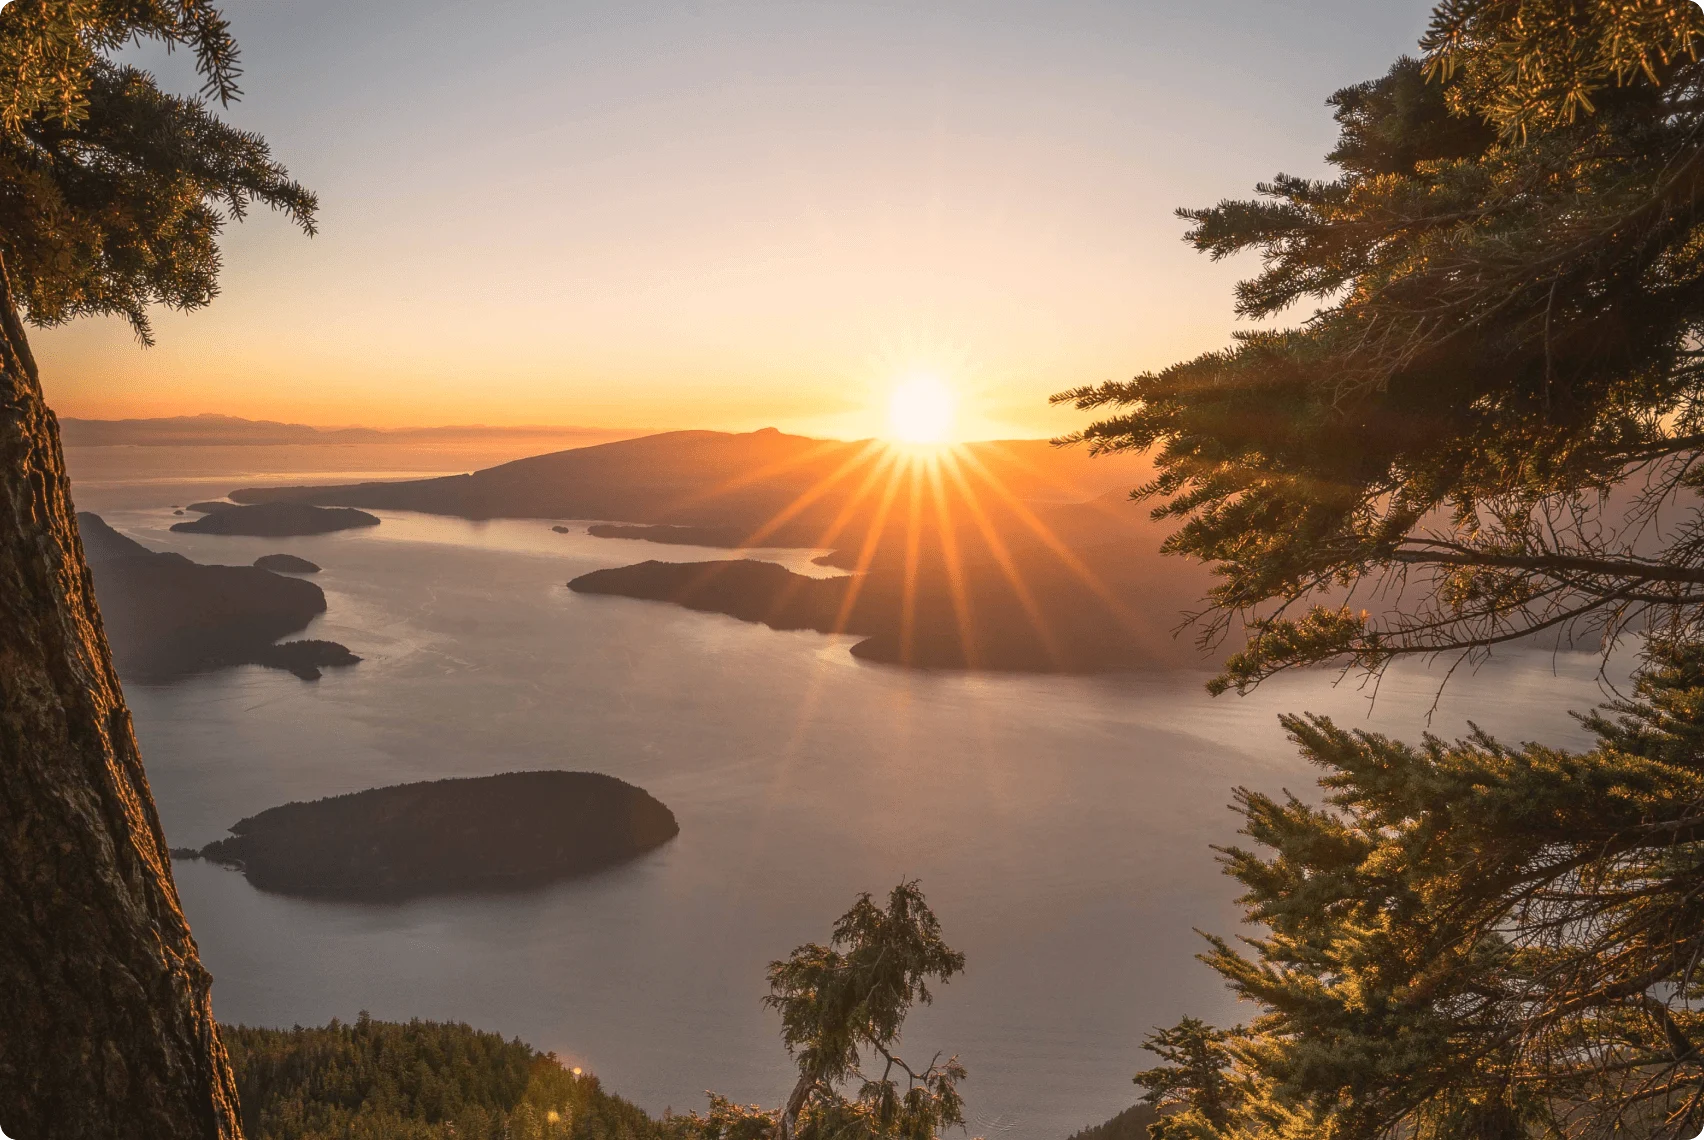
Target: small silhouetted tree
x,y
112,197
842,1007
1192,1088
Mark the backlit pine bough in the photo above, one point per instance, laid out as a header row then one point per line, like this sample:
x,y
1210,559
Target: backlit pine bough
x,y
1466,940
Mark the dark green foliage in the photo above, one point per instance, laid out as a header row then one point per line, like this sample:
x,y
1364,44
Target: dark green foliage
x,y
842,1006
1471,441
1471,939
112,192
1192,1087
421,1081
1131,1124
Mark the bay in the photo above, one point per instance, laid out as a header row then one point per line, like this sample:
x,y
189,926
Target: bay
x,y
1061,826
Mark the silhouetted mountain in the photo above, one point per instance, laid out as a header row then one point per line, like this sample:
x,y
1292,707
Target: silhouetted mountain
x,y
277,520
166,616
791,487
1009,555
486,833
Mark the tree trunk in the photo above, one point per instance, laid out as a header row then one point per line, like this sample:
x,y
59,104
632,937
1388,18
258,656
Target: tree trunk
x,y
106,1024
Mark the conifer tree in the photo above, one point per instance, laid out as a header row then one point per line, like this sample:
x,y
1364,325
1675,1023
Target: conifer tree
x,y
842,1007
1470,939
1492,427
112,197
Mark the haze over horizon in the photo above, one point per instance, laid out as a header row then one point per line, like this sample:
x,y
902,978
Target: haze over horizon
x,y
730,217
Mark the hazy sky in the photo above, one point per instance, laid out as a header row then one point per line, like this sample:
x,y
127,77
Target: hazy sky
x,y
733,214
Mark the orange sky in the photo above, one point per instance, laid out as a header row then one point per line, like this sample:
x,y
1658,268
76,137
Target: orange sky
x,y
732,216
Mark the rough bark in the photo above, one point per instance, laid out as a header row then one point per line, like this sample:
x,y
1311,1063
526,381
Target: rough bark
x,y
106,1024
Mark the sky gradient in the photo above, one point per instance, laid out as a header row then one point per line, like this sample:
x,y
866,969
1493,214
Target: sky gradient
x,y
732,215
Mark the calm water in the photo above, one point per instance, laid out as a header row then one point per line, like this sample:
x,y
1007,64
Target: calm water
x,y
1060,826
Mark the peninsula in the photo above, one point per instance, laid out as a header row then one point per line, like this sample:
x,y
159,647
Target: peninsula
x,y
482,834
167,616
1041,618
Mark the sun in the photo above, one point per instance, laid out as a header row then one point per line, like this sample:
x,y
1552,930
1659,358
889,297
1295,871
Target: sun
x,y
921,410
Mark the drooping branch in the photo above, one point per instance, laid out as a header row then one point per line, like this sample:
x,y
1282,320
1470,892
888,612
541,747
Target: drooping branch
x,y
1634,570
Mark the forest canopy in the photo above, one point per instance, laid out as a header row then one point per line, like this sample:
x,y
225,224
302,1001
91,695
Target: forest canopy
x,y
423,1080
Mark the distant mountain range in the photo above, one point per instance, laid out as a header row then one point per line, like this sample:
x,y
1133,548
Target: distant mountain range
x,y
215,430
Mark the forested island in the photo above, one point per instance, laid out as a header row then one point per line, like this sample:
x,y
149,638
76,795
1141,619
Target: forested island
x,y
286,564
276,520
167,616
723,536
478,834
921,616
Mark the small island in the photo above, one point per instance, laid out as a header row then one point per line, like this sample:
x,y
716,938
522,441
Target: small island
x,y
560,529
727,537
487,833
286,564
208,507
278,520
303,658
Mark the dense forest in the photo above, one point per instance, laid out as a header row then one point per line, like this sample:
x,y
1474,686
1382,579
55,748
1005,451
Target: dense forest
x,y
424,1080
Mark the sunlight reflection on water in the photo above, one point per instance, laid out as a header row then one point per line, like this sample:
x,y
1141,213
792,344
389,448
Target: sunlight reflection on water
x,y
1059,825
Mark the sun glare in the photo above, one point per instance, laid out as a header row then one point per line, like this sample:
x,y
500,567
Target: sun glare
x,y
921,410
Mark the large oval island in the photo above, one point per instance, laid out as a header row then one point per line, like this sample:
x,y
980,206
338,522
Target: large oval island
x,y
486,833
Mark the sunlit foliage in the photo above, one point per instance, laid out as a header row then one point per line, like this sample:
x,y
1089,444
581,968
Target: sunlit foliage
x,y
422,1080
1468,939
113,192
1492,427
